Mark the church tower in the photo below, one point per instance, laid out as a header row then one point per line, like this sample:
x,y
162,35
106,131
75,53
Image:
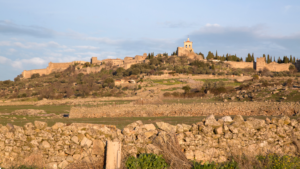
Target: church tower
x,y
188,45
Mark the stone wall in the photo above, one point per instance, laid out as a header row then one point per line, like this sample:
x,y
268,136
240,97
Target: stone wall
x,y
240,65
208,140
273,66
199,109
52,67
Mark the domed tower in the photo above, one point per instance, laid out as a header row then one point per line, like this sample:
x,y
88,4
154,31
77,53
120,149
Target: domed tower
x,y
188,45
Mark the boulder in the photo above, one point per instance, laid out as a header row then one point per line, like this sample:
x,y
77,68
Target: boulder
x,y
227,119
149,127
257,123
211,121
166,127
40,125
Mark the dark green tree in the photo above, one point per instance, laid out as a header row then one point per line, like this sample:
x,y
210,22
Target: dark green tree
x,y
210,55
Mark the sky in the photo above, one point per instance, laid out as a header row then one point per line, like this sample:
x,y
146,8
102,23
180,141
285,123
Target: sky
x,y
36,32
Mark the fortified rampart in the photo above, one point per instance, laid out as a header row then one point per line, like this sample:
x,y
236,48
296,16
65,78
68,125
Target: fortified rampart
x,y
52,67
197,109
273,66
211,139
240,65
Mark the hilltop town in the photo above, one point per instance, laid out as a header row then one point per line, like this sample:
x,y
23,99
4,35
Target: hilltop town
x,y
187,51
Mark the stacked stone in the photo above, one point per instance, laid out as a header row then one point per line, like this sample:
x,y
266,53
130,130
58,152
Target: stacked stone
x,y
210,139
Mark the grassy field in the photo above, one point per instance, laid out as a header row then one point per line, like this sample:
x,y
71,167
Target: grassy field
x,y
161,81
120,122
171,89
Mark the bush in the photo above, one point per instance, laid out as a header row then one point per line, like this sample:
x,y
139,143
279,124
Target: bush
x,y
255,77
146,161
167,94
57,75
35,75
228,165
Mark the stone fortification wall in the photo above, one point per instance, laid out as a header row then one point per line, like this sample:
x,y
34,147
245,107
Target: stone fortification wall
x,y
28,73
276,67
240,65
208,140
89,70
52,67
199,109
273,66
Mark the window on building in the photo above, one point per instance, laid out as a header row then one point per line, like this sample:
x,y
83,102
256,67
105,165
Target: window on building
x,y
189,46
185,46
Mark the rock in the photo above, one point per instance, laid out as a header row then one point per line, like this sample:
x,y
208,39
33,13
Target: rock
x,y
166,127
86,142
46,145
69,159
58,125
149,127
98,148
63,164
219,130
227,119
40,125
189,155
186,127
75,139
238,118
150,133
52,165
257,123
211,121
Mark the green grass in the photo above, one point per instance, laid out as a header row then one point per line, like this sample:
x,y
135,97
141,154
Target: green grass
x,y
171,89
168,81
212,80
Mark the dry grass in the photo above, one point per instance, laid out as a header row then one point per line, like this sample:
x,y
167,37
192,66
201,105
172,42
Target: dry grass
x,y
171,151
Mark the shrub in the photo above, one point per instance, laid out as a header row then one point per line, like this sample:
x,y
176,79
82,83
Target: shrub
x,y
57,75
145,161
35,75
110,82
167,94
255,77
176,94
186,88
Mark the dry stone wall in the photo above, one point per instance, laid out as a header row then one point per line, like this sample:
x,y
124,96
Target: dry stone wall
x,y
213,139
199,109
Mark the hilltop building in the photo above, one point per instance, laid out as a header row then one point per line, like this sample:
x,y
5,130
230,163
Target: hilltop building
x,y
186,50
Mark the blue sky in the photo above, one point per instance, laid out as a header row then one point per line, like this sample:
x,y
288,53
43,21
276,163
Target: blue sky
x,y
33,33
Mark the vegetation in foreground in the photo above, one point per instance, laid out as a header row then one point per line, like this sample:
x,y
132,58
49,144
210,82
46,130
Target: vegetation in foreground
x,y
270,161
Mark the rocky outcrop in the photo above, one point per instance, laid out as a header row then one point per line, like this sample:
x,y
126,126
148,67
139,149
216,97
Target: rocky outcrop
x,y
211,139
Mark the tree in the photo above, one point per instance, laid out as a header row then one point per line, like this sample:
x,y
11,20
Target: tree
x,y
294,60
249,58
216,57
210,55
186,88
279,60
268,59
285,59
291,59
213,66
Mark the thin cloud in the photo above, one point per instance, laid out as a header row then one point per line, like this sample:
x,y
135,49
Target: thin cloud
x,y
10,28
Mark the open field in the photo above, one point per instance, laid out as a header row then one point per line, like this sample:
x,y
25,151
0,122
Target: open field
x,y
119,122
